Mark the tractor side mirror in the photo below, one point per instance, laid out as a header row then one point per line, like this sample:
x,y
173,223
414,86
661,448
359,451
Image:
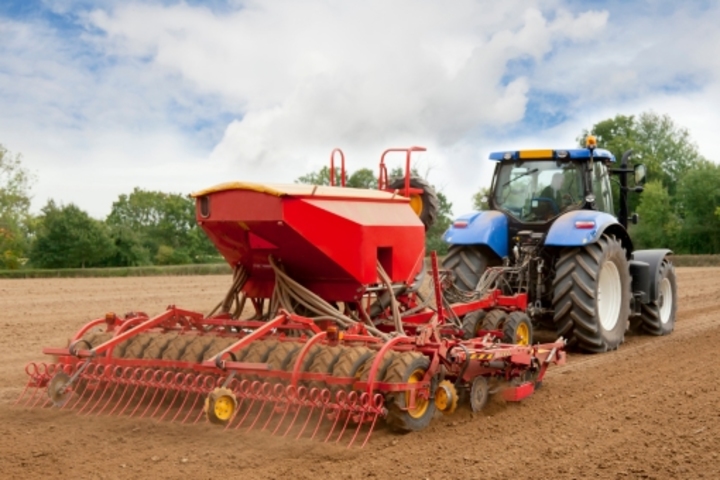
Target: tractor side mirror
x,y
635,218
640,174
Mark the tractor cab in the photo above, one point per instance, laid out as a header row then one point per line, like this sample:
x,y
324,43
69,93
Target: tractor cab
x,y
533,187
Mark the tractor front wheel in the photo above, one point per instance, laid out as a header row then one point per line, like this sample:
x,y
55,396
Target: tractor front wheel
x,y
591,297
468,263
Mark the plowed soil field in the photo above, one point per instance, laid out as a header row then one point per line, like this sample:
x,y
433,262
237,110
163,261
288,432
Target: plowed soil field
x,y
649,410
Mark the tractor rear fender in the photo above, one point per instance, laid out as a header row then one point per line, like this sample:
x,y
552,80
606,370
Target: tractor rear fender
x,y
488,228
584,227
654,259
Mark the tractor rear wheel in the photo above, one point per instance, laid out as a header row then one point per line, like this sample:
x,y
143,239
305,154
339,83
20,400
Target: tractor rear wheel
x,y
408,368
591,297
426,204
658,318
468,262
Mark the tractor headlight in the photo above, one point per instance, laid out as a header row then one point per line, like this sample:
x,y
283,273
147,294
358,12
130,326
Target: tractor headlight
x,y
562,154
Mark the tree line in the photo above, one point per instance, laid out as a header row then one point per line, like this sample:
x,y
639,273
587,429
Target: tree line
x,y
679,208
143,228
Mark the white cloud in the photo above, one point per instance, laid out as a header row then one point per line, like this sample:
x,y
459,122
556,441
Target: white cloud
x,y
116,105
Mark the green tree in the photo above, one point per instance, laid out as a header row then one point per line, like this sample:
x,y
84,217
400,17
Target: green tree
x,y
658,223
665,148
480,199
68,237
15,182
159,219
433,237
698,203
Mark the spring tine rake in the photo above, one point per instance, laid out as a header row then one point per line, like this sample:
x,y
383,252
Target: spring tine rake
x,y
163,384
253,392
324,399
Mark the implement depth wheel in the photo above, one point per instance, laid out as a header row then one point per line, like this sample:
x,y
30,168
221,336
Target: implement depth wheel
x,y
220,406
518,329
408,368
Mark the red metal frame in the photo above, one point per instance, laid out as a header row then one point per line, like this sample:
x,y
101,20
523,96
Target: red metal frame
x,y
332,167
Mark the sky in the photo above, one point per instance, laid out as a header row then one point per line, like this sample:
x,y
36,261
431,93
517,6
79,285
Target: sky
x,y
103,96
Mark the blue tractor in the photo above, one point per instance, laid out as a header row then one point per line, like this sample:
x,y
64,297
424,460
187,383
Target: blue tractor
x,y
551,232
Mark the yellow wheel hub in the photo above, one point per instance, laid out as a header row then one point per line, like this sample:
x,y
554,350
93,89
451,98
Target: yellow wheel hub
x,y
522,334
421,404
446,397
416,203
220,405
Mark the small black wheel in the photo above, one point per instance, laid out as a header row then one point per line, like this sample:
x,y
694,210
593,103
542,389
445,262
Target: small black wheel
x,y
518,329
479,393
426,204
408,368
494,320
472,324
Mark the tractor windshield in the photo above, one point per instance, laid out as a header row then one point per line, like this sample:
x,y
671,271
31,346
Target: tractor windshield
x,y
538,190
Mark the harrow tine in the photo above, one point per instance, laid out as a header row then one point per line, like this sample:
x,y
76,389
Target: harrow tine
x,y
351,403
166,377
275,399
377,406
253,391
297,399
189,380
265,392
96,374
202,385
289,395
126,382
105,389
32,371
340,398
116,372
324,399
179,380
136,382
312,401
242,392
148,377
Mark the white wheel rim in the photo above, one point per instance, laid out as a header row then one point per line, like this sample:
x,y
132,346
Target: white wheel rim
x,y
666,300
609,296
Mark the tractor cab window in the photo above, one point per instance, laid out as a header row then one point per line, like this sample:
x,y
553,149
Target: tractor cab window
x,y
538,190
601,188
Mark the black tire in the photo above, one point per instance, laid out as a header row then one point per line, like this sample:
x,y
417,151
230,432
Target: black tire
x,y
472,324
428,200
348,364
518,329
176,347
306,361
158,345
494,320
364,371
324,362
221,344
577,315
194,351
399,418
281,354
137,347
467,263
658,318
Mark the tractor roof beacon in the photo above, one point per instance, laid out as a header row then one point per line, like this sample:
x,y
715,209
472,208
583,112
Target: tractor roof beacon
x,y
553,233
